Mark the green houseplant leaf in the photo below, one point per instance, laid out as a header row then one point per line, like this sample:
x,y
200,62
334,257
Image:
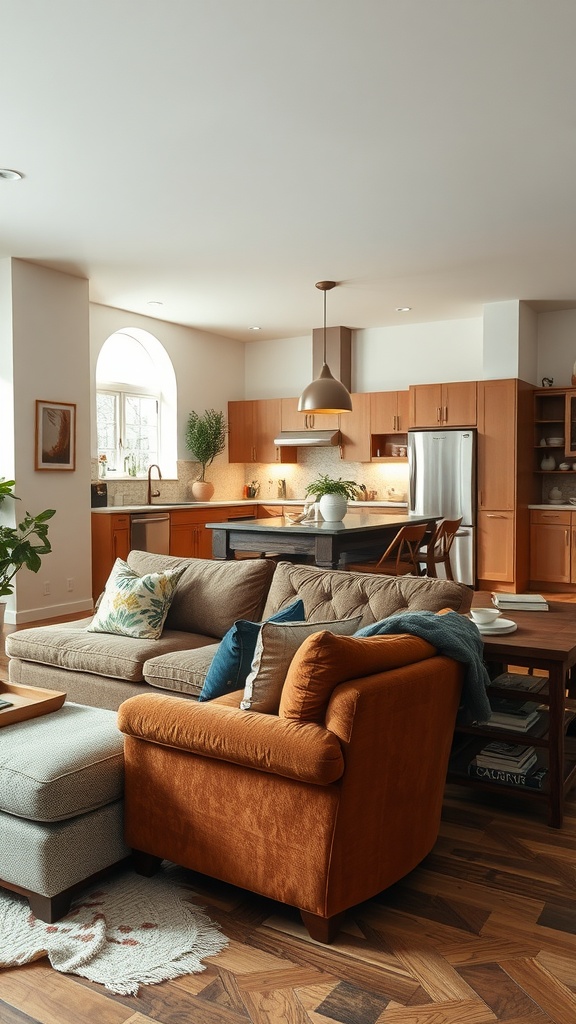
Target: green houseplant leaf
x,y
328,485
23,544
206,437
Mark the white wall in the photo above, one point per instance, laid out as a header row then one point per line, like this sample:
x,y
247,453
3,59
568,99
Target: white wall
x,y
557,346
50,353
383,359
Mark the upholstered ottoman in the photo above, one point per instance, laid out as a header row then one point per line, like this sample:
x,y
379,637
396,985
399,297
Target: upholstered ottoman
x,y
61,804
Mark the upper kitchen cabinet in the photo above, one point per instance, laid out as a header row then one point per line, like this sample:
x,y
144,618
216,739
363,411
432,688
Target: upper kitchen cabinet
x,y
389,412
355,429
252,427
570,425
447,405
291,419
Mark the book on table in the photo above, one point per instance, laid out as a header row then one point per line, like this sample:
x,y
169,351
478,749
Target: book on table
x,y
514,757
533,779
510,714
519,681
520,602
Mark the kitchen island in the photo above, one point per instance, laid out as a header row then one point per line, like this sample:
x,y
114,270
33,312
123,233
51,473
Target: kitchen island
x,y
360,536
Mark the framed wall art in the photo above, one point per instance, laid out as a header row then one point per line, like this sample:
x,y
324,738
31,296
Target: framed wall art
x,y
55,435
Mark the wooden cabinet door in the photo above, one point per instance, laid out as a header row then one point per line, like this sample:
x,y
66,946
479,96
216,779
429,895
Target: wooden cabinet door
x,y
384,412
425,405
110,540
120,538
184,527
241,445
459,404
497,444
267,426
291,419
402,411
550,550
355,429
495,546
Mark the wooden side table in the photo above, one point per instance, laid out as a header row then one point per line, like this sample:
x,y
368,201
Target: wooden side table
x,y
544,641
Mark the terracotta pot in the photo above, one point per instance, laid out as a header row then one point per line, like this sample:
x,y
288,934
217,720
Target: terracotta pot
x,y
202,490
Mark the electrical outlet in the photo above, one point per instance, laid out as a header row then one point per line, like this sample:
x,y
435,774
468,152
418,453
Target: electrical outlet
x,y
70,584
46,588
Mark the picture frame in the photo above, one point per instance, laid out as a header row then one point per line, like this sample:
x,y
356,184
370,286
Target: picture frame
x,y
55,442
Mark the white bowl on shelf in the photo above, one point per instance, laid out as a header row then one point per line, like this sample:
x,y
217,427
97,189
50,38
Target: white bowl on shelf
x,y
555,440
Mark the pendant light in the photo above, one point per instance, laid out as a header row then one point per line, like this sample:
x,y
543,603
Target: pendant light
x,y
325,393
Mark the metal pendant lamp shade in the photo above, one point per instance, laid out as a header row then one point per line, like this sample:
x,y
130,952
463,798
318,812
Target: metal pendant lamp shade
x,y
325,393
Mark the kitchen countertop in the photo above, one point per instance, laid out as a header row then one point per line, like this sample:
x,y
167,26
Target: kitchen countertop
x,y
561,506
174,506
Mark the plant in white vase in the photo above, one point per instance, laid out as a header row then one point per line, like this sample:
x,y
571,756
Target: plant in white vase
x,y
333,496
205,439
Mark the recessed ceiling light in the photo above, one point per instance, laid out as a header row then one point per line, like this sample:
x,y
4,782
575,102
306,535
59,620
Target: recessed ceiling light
x,y
254,328
155,302
9,175
403,309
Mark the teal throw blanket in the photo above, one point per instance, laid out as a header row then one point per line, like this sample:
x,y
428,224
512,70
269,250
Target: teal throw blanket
x,y
456,637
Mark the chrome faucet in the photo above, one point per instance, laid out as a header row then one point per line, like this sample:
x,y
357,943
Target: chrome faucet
x,y
151,493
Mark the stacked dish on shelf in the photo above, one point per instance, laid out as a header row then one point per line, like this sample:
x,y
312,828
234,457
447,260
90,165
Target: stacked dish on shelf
x,y
555,441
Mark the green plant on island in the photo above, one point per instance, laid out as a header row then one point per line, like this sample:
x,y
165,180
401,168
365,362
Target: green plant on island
x,y
23,544
328,485
206,437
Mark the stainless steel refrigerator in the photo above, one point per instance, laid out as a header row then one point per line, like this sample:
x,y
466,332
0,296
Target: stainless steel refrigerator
x,y
442,471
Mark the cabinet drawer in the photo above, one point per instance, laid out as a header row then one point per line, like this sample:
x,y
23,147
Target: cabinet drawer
x,y
543,516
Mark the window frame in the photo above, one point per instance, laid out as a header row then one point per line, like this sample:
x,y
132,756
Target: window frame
x,y
122,392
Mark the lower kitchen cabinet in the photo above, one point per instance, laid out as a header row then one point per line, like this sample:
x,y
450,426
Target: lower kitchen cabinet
x,y
496,546
110,540
552,547
189,537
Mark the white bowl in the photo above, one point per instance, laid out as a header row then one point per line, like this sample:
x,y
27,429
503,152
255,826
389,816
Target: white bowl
x,y
482,616
555,440
572,501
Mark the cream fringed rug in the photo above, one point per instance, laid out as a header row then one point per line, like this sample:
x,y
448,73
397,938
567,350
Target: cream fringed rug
x,y
133,931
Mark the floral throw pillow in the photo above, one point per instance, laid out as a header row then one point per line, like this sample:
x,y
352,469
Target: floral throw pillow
x,y
134,605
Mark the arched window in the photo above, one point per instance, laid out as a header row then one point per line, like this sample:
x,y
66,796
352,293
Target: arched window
x,y
135,404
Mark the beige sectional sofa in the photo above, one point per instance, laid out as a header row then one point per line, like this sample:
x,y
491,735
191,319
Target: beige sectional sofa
x,y
102,669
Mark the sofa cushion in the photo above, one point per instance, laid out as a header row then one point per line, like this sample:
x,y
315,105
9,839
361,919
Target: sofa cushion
x,y
211,595
134,605
276,646
61,765
72,646
233,659
335,594
181,672
324,660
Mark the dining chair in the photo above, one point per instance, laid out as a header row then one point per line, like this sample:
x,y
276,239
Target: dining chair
x,y
436,549
401,555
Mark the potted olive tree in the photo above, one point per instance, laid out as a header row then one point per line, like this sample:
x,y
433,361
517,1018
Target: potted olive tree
x,y
21,545
333,496
205,439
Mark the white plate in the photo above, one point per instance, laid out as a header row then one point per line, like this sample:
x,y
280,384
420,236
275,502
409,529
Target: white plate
x,y
500,626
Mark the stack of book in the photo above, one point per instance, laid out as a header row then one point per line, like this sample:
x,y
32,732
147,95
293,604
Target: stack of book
x,y
510,714
519,681
508,764
520,602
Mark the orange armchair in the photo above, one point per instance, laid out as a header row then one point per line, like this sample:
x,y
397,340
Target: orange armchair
x,y
320,806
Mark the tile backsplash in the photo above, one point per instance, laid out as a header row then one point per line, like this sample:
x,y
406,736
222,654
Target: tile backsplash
x,y
389,480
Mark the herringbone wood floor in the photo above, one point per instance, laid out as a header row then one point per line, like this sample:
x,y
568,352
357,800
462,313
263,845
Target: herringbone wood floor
x,y
483,931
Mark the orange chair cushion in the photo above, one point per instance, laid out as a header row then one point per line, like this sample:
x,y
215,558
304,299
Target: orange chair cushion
x,y
324,660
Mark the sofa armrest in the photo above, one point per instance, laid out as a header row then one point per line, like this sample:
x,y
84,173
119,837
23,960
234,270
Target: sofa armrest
x,y
304,751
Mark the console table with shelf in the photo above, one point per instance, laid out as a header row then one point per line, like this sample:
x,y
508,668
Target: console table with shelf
x,y
544,642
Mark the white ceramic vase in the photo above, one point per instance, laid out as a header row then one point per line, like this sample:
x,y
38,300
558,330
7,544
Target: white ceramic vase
x,y
202,490
333,507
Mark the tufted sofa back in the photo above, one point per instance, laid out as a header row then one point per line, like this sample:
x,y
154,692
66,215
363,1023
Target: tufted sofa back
x,y
335,594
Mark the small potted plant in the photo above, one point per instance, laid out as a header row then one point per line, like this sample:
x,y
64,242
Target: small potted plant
x,y
205,439
333,496
21,545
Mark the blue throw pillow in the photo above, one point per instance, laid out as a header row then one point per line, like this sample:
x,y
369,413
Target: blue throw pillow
x,y
233,659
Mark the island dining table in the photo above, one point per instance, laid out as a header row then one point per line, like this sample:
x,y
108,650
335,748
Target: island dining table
x,y
359,536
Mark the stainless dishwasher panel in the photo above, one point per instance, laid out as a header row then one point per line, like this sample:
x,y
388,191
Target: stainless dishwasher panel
x,y
150,533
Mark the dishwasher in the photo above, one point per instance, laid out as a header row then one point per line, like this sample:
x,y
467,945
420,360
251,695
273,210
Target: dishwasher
x,y
150,531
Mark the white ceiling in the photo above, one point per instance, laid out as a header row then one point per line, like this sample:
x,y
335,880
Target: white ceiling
x,y
221,156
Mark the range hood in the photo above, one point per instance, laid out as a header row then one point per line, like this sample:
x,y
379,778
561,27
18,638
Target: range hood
x,y
308,438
